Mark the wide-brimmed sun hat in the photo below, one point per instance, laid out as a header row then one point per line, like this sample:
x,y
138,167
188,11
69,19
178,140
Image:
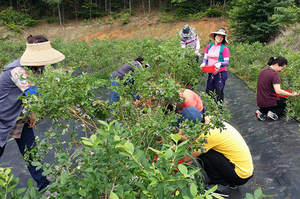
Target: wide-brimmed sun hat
x,y
40,54
220,31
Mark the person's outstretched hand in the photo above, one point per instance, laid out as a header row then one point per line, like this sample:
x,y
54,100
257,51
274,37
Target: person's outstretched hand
x,y
31,121
297,93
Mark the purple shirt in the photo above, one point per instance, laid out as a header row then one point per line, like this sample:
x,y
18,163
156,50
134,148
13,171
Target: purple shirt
x,y
266,95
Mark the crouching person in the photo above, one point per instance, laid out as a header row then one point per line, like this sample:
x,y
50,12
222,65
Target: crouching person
x,y
226,158
120,73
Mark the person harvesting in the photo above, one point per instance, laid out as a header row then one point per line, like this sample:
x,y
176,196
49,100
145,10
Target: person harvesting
x,y
268,86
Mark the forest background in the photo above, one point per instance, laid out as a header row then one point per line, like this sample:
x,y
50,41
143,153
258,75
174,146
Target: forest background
x,y
257,30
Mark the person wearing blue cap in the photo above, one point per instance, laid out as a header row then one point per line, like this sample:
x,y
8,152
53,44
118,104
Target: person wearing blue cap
x,y
192,114
226,158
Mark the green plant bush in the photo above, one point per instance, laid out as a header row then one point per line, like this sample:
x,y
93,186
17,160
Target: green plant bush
x,y
116,159
213,12
51,19
165,17
251,20
125,18
10,51
16,20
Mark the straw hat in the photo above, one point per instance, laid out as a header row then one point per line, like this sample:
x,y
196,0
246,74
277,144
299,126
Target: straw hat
x,y
221,31
40,54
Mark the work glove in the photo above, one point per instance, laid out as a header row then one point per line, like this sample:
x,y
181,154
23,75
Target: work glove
x,y
218,65
203,64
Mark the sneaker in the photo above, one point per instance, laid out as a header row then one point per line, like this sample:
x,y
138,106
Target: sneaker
x,y
272,115
232,186
260,116
47,193
221,190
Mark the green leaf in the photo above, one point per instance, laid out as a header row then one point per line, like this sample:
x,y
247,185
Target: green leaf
x,y
176,137
117,138
82,192
36,164
154,181
103,123
88,143
154,150
217,196
64,177
122,153
258,193
30,183
169,153
33,192
249,196
130,196
19,191
93,137
136,157
211,190
73,190
182,168
113,195
111,123
194,190
130,147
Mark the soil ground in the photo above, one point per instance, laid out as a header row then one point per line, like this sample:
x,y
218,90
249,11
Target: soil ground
x,y
140,27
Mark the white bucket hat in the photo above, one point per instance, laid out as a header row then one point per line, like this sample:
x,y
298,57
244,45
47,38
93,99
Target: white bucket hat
x,y
221,31
40,54
186,31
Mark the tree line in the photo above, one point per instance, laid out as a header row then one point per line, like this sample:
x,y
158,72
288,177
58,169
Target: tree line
x,y
88,9
250,20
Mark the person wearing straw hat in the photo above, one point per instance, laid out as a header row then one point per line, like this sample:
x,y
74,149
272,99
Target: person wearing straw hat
x,y
191,39
13,84
217,54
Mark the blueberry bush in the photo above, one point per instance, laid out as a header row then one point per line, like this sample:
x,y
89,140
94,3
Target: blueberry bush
x,y
247,60
135,153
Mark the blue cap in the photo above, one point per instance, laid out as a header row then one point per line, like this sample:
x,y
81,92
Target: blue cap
x,y
191,113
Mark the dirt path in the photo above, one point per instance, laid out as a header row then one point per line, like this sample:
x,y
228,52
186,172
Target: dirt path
x,y
139,28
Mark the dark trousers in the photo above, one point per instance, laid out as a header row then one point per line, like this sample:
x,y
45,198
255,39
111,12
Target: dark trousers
x,y
219,170
215,84
28,140
114,96
278,109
